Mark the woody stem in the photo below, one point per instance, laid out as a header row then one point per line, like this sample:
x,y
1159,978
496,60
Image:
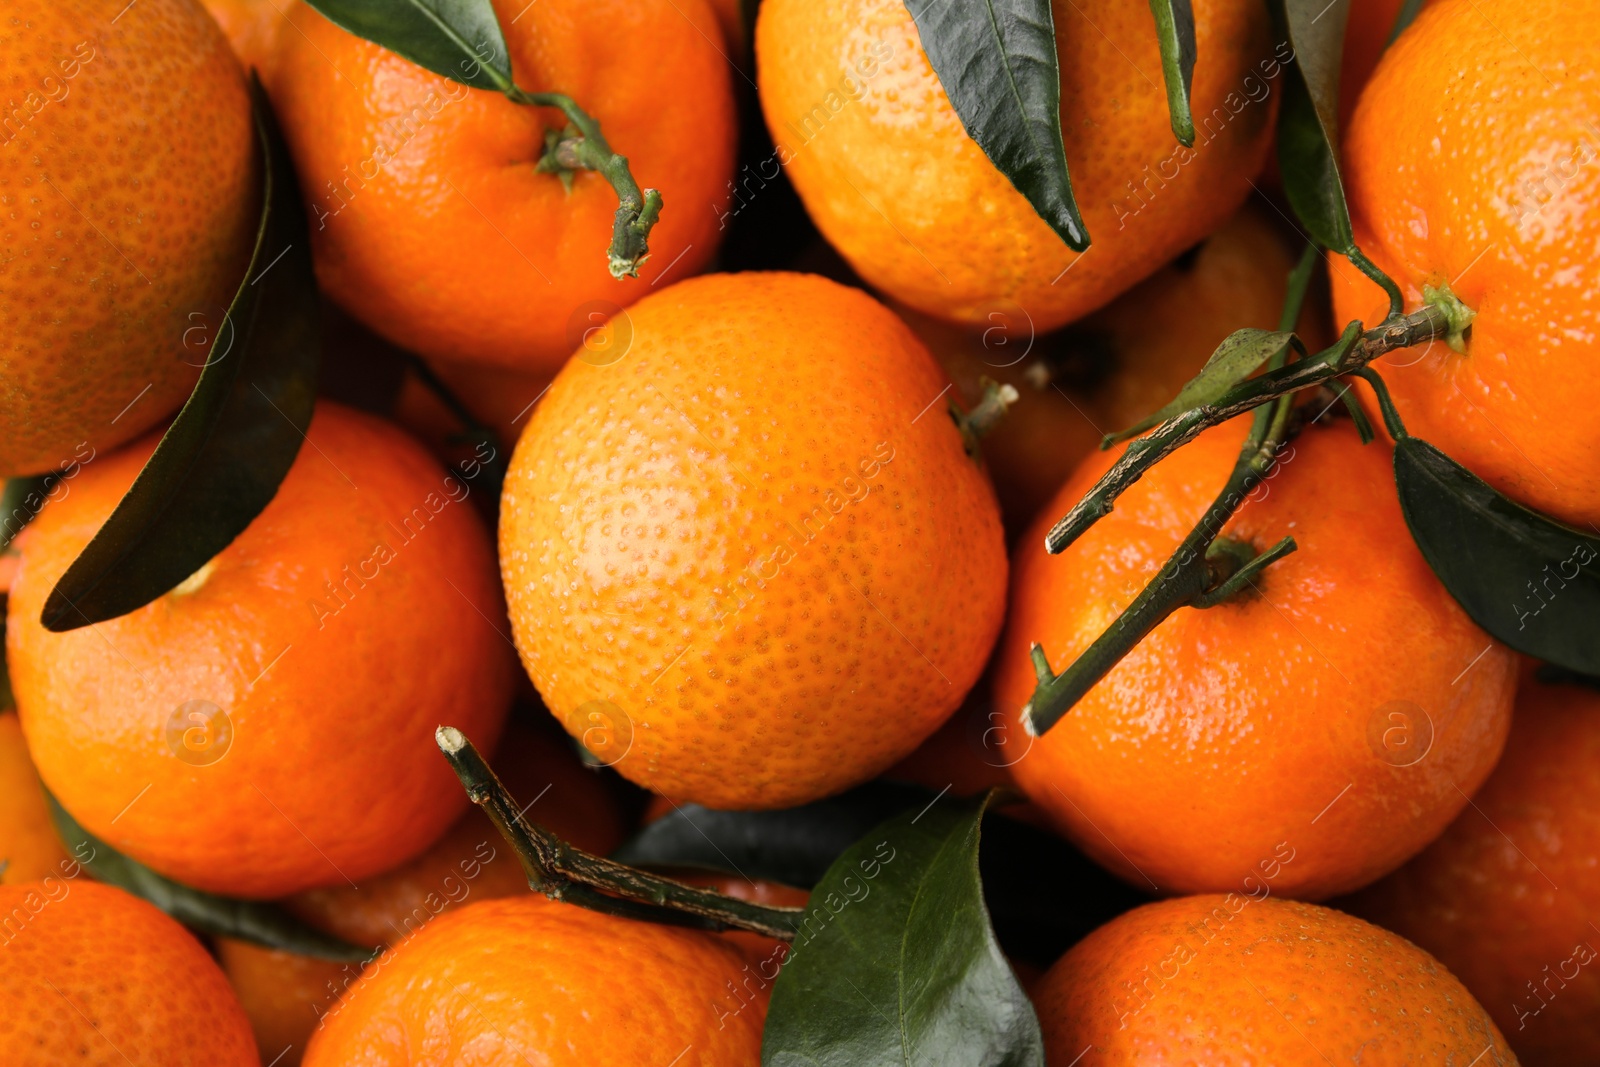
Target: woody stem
x,y
563,872
1352,352
583,147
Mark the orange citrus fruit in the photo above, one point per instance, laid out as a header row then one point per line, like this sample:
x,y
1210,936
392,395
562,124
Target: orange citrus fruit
x,y
284,995
1506,896
1234,979
1111,368
529,980
1312,733
94,976
1476,186
748,562
1044,433
253,28
429,220
267,726
1160,333
128,200
889,174
471,861
29,846
500,399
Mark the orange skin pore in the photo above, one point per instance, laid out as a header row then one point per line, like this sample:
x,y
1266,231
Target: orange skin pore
x,y
96,977
329,660
429,222
1237,736
749,563
1494,188
1506,897
527,979
129,197
1240,979
887,171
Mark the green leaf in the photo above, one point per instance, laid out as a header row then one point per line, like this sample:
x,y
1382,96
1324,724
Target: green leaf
x,y
1526,579
247,920
1235,359
1024,868
459,39
220,462
997,62
895,962
1175,33
1308,122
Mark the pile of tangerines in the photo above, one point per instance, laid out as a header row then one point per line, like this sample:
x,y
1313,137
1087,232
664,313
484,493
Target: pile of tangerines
x,y
776,370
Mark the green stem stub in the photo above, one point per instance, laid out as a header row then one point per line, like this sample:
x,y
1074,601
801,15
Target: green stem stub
x,y
581,146
984,416
1456,313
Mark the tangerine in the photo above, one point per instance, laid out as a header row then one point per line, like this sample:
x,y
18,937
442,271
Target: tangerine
x,y
891,177
30,849
529,980
1313,733
267,725
129,180
97,977
749,562
430,221
1235,979
1486,201
1505,896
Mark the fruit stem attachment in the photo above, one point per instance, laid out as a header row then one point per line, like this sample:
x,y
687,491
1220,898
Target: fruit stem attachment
x,y
581,146
1354,350
563,872
985,415
1206,570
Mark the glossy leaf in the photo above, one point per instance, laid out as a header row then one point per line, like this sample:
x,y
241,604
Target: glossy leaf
x,y
1236,358
795,846
247,920
1024,868
896,963
1175,34
459,39
1308,133
220,462
997,62
1526,579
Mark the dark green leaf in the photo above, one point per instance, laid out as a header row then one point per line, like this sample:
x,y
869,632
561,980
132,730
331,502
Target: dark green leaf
x,y
220,462
795,846
1528,580
1308,122
1235,359
1175,33
247,920
895,962
459,39
997,62
1024,868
